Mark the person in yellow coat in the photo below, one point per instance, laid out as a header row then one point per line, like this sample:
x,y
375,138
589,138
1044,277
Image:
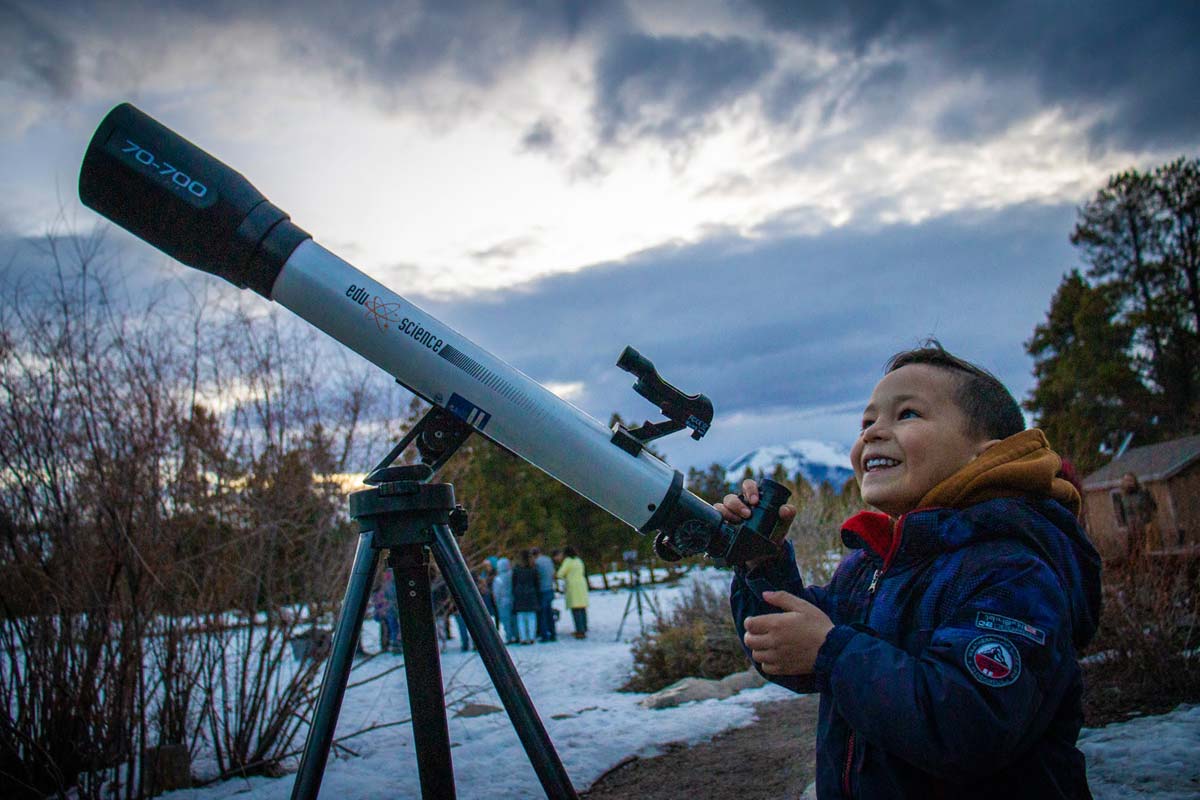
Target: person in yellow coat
x,y
571,573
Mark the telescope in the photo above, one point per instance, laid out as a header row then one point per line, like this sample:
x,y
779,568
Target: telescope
x,y
178,198
175,196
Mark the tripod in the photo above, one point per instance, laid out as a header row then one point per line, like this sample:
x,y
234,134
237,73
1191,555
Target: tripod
x,y
635,594
409,519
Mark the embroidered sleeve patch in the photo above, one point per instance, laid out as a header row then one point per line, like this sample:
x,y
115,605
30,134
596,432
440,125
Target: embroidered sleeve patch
x,y
999,624
993,660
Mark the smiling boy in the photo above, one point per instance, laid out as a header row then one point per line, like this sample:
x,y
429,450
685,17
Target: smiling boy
x,y
944,647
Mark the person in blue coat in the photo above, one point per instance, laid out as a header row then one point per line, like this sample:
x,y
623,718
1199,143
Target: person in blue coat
x,y
502,592
945,646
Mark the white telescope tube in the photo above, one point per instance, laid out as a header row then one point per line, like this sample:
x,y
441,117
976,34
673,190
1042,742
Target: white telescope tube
x,y
175,196
447,369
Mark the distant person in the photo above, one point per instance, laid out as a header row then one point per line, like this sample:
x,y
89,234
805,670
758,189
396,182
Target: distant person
x,y
1140,508
545,568
502,593
385,611
443,608
525,597
574,578
944,648
483,581
460,622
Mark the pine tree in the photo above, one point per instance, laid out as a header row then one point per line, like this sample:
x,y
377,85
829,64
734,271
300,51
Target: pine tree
x,y
708,484
1178,188
1088,396
1141,237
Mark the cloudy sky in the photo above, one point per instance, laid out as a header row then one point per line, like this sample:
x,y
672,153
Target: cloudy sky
x,y
765,198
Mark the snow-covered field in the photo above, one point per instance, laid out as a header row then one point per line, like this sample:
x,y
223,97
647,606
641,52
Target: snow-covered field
x,y
574,684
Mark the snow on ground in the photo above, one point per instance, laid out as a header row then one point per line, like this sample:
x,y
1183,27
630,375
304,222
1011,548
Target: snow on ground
x,y
573,685
1155,757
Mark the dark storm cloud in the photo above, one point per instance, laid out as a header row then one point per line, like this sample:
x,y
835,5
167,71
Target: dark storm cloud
x,y
374,42
477,41
36,57
796,323
1138,59
1133,63
666,85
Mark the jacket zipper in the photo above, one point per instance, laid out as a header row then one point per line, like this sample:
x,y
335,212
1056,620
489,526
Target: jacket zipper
x,y
866,612
850,741
883,567
874,584
849,761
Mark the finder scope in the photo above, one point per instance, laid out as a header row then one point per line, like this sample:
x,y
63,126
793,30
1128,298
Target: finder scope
x,y
175,196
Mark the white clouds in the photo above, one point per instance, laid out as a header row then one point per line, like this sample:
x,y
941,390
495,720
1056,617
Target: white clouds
x,y
659,161
398,132
567,390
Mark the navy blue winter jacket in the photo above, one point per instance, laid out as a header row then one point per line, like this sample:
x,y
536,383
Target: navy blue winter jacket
x,y
525,589
951,670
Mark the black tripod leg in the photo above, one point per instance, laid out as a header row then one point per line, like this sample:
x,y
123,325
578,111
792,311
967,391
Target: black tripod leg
x,y
337,670
542,755
426,697
621,627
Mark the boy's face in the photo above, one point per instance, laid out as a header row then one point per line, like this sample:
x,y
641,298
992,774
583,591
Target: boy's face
x,y
914,436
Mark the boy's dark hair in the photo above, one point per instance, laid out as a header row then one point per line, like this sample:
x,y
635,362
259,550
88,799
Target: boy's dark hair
x,y
989,407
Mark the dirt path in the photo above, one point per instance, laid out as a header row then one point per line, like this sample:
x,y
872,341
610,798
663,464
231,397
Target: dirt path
x,y
771,758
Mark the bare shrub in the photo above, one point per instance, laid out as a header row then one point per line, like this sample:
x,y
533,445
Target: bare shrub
x,y
815,533
170,516
698,638
695,639
1144,656
86,427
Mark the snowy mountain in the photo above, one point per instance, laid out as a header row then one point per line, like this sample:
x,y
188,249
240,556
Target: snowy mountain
x,y
820,462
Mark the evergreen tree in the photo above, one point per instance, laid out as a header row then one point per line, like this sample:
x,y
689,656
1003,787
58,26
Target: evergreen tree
x,y
1178,188
802,490
1088,396
709,484
1140,237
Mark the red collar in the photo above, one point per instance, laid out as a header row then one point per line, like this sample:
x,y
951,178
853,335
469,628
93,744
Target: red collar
x,y
879,531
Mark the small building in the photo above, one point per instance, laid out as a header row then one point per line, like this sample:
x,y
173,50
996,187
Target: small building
x,y
1170,471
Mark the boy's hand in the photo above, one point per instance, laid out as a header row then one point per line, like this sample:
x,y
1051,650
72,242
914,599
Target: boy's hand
x,y
734,509
787,643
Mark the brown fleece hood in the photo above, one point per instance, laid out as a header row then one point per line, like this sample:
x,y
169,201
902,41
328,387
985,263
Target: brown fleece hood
x,y
1023,465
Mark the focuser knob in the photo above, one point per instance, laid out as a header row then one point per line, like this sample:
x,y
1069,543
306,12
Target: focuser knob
x,y
691,537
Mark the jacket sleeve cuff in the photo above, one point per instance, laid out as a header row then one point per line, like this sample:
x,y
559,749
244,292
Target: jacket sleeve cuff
x,y
777,574
835,642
